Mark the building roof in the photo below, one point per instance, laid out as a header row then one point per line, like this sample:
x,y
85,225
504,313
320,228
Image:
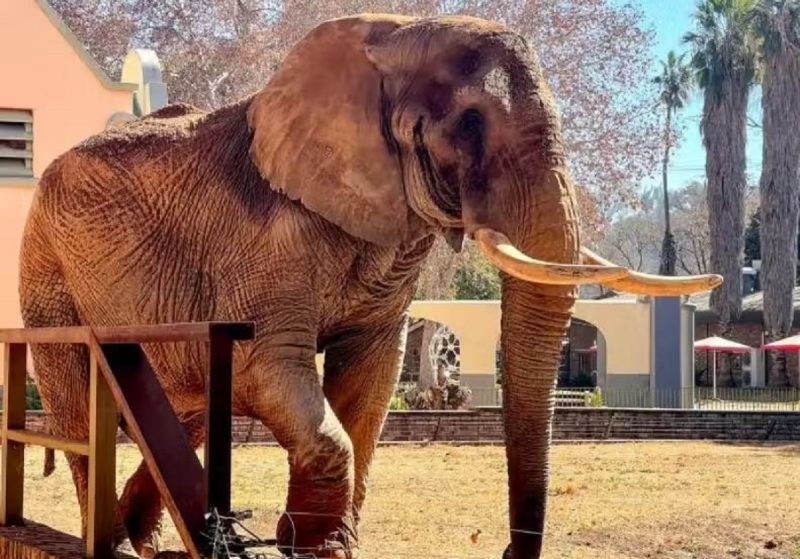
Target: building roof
x,y
752,307
77,46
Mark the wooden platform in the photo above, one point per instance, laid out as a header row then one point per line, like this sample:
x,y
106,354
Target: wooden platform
x,y
121,381
36,541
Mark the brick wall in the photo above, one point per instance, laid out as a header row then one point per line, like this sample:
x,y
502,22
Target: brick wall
x,y
610,423
455,426
486,425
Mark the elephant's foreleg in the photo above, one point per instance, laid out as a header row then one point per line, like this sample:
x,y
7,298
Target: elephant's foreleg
x,y
360,377
290,402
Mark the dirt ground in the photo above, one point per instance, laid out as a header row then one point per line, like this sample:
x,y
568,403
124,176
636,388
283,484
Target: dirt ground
x,y
628,500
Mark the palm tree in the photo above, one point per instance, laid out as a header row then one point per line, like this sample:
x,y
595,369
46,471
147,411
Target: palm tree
x,y
724,59
675,83
777,23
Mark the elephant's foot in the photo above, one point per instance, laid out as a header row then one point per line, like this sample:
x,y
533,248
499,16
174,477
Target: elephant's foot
x,y
145,541
172,555
147,551
341,544
318,518
299,536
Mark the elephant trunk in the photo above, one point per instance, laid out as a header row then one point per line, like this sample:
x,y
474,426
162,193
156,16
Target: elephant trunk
x,y
534,321
531,345
526,222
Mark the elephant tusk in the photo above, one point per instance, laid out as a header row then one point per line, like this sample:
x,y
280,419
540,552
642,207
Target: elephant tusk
x,y
649,284
500,252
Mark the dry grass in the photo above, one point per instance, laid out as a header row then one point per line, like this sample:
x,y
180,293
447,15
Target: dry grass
x,y
632,500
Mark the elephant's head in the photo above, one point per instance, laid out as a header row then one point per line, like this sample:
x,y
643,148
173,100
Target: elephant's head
x,y
387,124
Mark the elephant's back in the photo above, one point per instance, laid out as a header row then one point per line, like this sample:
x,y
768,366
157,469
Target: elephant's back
x,y
119,162
135,215
146,136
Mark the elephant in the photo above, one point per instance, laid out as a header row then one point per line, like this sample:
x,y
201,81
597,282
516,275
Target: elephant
x,y
308,209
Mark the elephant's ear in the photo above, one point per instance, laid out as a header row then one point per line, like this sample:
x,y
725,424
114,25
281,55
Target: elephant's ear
x,y
317,131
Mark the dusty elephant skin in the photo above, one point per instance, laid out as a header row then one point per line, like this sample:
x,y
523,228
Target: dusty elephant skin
x,y
308,209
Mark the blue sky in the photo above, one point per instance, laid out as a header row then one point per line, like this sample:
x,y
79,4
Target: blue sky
x,y
671,19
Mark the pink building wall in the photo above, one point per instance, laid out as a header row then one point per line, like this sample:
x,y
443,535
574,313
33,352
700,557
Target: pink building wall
x,y
44,69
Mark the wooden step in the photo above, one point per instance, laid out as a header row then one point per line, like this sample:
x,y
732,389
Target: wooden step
x,y
36,541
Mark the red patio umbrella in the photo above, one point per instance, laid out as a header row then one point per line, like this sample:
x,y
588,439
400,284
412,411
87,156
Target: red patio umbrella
x,y
792,343
715,344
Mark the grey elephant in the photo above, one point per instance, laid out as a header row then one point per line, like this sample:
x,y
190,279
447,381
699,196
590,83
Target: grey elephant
x,y
308,209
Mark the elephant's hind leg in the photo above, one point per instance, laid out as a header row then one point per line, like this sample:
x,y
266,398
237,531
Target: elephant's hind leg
x,y
62,370
360,376
141,504
62,373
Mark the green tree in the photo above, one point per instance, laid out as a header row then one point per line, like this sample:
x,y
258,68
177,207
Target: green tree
x,y
777,23
753,243
724,57
675,83
477,279
752,239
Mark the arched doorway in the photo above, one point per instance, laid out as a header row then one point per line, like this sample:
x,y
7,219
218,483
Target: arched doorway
x,y
431,372
433,351
583,356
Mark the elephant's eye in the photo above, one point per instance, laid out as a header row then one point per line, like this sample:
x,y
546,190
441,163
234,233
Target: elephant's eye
x,y
469,132
470,124
469,63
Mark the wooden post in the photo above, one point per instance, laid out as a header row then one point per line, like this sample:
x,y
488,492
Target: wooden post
x,y
155,428
102,465
219,410
13,455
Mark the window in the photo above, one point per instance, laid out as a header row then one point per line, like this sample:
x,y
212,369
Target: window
x,y
16,143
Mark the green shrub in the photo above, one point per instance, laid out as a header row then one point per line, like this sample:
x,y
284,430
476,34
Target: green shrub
x,y
398,402
596,398
32,399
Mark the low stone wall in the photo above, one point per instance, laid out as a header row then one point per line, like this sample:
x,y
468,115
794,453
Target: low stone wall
x,y
485,425
628,423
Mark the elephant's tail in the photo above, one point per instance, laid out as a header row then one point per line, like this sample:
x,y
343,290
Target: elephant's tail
x,y
49,462
49,458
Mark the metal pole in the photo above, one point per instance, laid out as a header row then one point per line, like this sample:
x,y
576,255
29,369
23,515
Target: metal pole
x,y
795,392
714,374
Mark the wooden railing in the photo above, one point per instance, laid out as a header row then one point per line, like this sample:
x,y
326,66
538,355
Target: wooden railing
x,y
121,381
